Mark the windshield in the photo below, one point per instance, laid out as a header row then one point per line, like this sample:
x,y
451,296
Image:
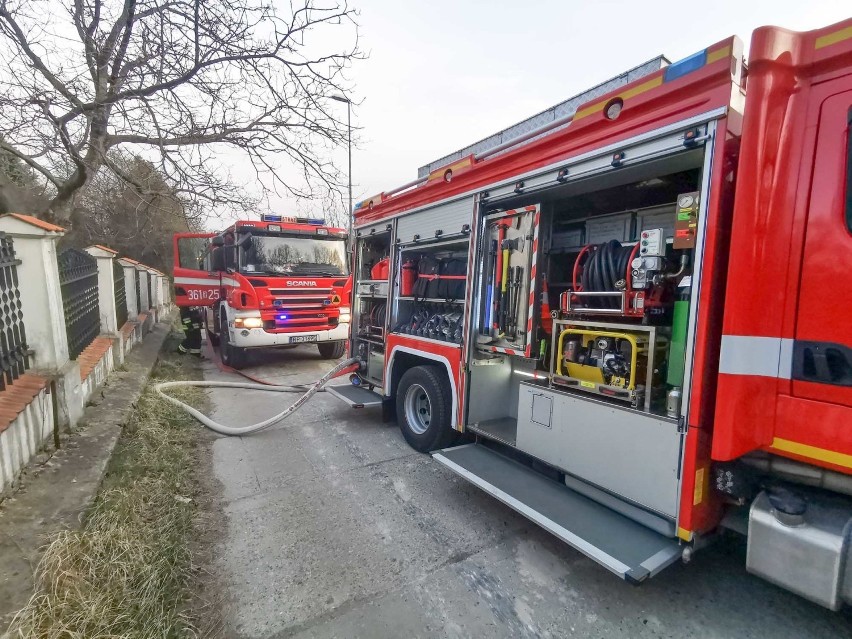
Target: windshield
x,y
274,254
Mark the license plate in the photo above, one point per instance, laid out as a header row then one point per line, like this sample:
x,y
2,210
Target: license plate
x,y
303,338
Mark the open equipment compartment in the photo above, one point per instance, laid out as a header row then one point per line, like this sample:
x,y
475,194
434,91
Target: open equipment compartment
x,y
373,249
605,367
508,253
430,286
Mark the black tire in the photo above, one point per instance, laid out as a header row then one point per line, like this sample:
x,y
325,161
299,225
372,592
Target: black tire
x,y
424,409
232,356
212,338
331,350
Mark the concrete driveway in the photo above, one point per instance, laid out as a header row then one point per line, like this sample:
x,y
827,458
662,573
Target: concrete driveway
x,y
336,528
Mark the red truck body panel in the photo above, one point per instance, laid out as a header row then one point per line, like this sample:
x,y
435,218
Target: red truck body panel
x,y
777,254
791,252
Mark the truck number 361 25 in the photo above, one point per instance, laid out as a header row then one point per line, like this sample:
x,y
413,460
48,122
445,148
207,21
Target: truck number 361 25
x,y
203,294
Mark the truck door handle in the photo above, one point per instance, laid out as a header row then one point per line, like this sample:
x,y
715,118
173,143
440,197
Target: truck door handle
x,y
822,363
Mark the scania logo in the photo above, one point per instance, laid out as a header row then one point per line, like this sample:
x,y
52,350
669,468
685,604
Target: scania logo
x,y
301,283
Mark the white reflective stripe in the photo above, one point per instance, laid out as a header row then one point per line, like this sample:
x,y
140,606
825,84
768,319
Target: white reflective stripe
x,y
761,356
196,280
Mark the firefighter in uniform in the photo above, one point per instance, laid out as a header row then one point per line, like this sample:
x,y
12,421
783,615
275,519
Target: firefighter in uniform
x,y
191,321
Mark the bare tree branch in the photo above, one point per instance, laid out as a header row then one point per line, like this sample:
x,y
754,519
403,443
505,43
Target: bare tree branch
x,y
176,77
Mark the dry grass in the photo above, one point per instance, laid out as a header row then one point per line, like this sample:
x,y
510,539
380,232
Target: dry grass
x,y
127,572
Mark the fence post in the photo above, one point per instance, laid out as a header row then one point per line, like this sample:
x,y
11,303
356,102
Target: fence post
x,y
157,292
41,305
129,267
106,288
142,274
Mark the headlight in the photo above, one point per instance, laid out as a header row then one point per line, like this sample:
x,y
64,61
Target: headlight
x,y
345,314
248,322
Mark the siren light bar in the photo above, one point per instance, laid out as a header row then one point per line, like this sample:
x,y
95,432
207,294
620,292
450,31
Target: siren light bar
x,y
315,221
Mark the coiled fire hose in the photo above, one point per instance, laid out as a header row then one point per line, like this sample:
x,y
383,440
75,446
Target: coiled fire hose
x,y
251,428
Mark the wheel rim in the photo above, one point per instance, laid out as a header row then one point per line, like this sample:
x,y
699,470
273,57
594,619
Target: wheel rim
x,y
418,409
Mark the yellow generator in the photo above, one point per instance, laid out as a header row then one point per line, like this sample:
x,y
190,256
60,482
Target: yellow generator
x,y
605,361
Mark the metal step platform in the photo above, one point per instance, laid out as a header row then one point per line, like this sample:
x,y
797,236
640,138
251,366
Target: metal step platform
x,y
355,396
626,548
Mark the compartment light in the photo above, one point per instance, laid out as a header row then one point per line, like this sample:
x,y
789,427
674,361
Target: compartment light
x,y
613,108
618,158
562,175
519,187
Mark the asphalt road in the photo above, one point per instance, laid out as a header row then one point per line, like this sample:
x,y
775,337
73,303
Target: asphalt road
x,y
334,527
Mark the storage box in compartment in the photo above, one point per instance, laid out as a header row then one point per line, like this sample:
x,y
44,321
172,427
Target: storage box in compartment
x,y
570,432
376,365
376,288
610,227
658,217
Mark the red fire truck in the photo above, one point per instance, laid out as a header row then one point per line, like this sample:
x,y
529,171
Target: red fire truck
x,y
274,282
639,312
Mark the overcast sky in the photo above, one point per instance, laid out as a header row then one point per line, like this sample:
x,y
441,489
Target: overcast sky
x,y
442,74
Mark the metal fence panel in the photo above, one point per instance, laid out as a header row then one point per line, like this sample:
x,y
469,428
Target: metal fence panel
x,y
120,293
14,352
78,278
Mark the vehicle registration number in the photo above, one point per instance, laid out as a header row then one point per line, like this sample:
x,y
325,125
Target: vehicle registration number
x,y
303,338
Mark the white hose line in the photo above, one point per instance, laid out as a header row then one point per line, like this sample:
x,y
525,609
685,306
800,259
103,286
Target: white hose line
x,y
251,428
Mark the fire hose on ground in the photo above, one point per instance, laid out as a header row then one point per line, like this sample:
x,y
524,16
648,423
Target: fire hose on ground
x,y
222,429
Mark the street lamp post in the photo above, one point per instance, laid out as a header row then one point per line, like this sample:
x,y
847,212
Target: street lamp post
x,y
340,98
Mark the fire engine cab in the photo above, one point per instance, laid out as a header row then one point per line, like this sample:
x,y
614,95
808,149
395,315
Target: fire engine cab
x,y
274,282
636,308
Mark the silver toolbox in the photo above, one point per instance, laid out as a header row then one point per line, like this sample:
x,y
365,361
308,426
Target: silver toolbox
x,y
379,288
631,454
376,365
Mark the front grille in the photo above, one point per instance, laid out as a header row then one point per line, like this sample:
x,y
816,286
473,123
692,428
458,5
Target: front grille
x,y
289,292
300,323
300,298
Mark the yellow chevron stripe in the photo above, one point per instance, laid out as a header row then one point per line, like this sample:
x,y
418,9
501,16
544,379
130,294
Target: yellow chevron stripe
x,y
713,56
812,452
833,38
653,83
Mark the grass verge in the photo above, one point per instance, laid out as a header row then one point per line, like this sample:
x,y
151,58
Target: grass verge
x,y
128,571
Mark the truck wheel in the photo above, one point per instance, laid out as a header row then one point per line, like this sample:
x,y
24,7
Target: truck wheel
x,y
331,350
423,407
212,338
231,355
